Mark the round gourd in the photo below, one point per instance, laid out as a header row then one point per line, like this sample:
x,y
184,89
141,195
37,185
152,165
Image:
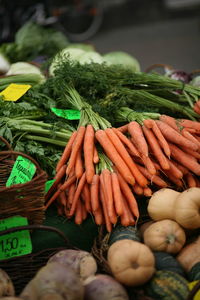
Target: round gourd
x,y
161,204
194,273
132,263
167,285
166,261
120,232
187,208
189,255
165,235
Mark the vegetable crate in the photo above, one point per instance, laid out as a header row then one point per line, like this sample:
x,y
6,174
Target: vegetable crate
x,y
26,199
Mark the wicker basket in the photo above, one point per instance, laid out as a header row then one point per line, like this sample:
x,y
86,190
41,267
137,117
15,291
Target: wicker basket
x,y
22,269
25,199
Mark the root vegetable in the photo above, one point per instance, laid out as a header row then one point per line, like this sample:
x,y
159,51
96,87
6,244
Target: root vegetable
x,y
81,261
6,285
104,287
54,282
132,263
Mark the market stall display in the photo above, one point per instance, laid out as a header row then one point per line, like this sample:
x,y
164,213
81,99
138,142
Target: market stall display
x,y
117,155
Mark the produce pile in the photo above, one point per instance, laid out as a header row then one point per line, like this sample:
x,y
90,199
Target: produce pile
x,y
117,143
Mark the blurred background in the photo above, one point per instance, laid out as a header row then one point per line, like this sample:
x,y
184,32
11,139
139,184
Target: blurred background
x,y
153,31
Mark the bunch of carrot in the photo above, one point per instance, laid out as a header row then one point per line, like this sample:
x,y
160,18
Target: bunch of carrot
x,y
101,172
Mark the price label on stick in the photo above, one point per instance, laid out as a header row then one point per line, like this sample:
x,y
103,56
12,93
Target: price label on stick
x,y
14,91
16,243
22,171
69,114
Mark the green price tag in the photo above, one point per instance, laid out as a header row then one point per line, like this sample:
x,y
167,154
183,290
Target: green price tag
x,y
22,171
48,185
16,243
69,114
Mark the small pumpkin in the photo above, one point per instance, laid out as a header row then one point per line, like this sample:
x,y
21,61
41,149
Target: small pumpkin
x,y
189,255
187,208
165,235
166,261
120,232
167,285
194,273
161,204
132,263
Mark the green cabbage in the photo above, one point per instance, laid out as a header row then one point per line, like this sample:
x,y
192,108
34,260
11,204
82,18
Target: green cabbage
x,y
122,58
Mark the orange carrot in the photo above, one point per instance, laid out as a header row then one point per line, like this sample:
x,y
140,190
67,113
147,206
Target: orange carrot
x,y
135,131
183,169
153,178
191,182
128,212
84,211
149,164
94,192
123,128
170,121
175,170
71,192
126,142
194,155
151,124
86,197
76,146
104,205
108,194
95,155
190,137
175,137
88,150
189,123
137,189
58,177
147,191
77,194
185,159
66,153
78,217
78,168
136,152
98,216
117,195
127,158
129,196
155,147
173,179
114,156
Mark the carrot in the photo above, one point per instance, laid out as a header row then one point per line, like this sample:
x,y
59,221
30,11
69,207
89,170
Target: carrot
x,y
63,187
126,157
107,186
129,196
175,137
77,194
117,195
194,155
196,108
127,213
71,192
94,192
191,182
149,165
98,216
185,159
126,142
147,191
123,128
95,155
189,123
137,189
136,152
175,170
86,197
183,169
88,150
173,179
187,134
66,153
114,156
76,146
58,177
104,206
170,121
79,168
84,211
63,198
155,147
78,217
153,178
135,131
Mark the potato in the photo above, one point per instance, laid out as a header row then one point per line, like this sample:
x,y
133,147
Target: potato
x,y
81,261
54,281
6,285
104,287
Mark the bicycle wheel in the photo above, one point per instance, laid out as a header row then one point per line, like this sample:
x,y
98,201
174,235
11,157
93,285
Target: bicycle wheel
x,y
78,19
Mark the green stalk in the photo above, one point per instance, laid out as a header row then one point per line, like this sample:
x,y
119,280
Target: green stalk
x,y
31,79
45,140
126,114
